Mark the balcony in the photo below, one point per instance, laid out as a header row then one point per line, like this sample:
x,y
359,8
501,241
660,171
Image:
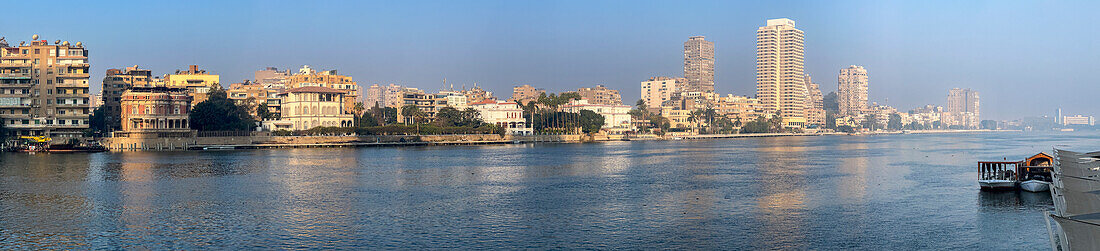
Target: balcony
x,y
15,76
72,75
15,65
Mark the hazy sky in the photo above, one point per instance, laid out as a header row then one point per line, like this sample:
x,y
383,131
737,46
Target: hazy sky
x,y
1024,57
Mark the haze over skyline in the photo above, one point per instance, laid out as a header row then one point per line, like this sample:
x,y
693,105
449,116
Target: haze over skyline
x,y
1025,58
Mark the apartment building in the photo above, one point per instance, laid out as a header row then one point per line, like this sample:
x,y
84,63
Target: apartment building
x,y
44,88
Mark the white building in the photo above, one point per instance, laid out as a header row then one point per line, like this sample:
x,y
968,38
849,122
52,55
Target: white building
x,y
616,118
1078,120
657,90
505,114
304,108
453,99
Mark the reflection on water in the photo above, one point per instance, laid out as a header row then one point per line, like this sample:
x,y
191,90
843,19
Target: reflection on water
x,y
761,193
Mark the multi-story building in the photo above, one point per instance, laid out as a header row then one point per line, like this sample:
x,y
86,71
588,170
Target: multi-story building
x,y
307,77
115,83
852,91
616,118
197,82
657,90
738,108
964,106
44,88
155,112
815,103
254,94
600,95
504,114
272,78
307,107
387,96
526,93
780,56
699,64
476,94
452,99
1078,120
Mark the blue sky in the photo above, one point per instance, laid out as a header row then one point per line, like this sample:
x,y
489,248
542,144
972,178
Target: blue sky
x,y
1025,57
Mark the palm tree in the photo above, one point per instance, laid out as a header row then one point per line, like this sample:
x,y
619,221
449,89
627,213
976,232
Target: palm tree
x,y
357,113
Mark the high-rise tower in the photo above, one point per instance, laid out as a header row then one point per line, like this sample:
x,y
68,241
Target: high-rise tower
x,y
852,91
780,83
699,64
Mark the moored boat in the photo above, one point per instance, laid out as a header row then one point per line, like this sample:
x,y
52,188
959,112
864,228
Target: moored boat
x,y
997,175
1035,186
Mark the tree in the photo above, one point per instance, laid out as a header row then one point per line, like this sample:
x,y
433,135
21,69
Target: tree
x,y
412,114
590,121
263,113
760,125
776,122
894,123
4,131
870,123
219,113
661,123
988,124
357,113
830,120
449,116
640,113
366,120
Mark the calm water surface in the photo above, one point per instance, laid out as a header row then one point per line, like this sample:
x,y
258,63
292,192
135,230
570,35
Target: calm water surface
x,y
829,192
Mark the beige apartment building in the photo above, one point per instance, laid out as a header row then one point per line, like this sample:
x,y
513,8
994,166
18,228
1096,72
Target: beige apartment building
x,y
272,78
739,108
600,95
815,103
476,94
116,82
699,64
780,56
525,93
307,77
307,107
44,88
657,90
852,91
388,96
962,108
196,81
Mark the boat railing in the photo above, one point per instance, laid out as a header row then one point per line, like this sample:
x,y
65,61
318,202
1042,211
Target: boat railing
x,y
998,170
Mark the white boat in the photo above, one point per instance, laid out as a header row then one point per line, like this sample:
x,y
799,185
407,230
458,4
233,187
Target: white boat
x,y
997,184
1035,186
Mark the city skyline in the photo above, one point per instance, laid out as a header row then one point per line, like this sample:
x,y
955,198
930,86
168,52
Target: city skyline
x,y
916,50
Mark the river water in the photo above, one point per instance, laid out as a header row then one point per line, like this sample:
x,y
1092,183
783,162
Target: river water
x,y
827,192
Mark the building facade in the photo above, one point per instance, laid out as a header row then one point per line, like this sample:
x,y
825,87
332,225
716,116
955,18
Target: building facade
x,y
44,88
504,114
964,107
852,91
616,118
699,64
304,108
600,95
657,90
815,103
1078,120
115,83
272,77
780,84
739,108
307,77
196,81
526,93
155,111
387,96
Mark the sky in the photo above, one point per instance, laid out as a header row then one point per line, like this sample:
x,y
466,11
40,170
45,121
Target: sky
x,y
1025,58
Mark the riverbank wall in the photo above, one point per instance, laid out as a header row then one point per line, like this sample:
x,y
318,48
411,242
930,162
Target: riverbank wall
x,y
259,141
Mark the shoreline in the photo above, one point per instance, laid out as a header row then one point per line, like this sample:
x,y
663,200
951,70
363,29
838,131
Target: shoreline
x,y
275,142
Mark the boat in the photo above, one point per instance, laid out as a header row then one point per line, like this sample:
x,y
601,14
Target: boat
x,y
997,175
997,184
1035,186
